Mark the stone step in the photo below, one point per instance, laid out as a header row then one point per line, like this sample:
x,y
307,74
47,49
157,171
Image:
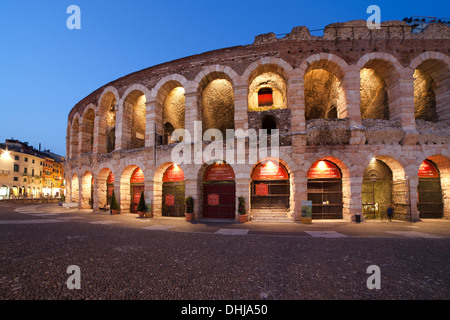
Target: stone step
x,y
270,216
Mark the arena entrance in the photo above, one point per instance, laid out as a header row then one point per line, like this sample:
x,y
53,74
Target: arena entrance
x,y
429,191
136,188
173,192
324,188
109,187
270,187
219,192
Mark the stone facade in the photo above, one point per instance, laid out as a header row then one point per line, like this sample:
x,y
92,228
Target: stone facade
x,y
134,109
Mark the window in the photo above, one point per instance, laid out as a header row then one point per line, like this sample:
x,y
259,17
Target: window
x,y
32,161
16,179
32,172
16,168
265,97
26,159
16,158
25,170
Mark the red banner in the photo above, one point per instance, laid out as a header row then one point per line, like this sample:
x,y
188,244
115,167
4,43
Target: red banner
x,y
173,174
324,170
136,198
270,170
213,199
428,170
137,176
261,189
170,200
219,172
110,179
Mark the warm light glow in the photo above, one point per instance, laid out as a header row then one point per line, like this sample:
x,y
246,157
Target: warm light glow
x,y
322,165
6,155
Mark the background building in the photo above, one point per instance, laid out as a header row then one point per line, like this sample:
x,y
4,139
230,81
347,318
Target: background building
x,y
363,116
26,171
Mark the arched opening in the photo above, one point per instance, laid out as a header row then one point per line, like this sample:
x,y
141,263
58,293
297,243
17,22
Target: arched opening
x,y
105,188
74,188
431,84
324,190
168,130
173,192
4,192
267,90
74,146
133,131
217,100
429,191
107,123
87,191
270,186
87,131
136,188
374,96
268,123
376,191
322,90
219,192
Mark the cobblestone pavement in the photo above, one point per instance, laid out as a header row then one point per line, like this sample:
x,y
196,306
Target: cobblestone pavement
x,y
125,257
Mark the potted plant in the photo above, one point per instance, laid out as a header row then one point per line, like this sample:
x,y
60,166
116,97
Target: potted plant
x,y
189,208
241,210
114,205
141,207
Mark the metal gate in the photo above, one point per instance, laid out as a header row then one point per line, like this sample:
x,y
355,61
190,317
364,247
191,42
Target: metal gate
x,y
173,199
378,194
326,197
276,195
430,203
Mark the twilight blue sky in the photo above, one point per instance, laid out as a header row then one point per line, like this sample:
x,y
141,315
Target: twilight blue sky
x,y
45,68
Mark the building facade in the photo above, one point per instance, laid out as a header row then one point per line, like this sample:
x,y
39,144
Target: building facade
x,y
362,118
26,173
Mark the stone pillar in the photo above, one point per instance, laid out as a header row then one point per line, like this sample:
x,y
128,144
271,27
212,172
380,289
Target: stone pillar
x,y
243,189
351,197
150,118
299,193
405,89
193,188
241,105
413,183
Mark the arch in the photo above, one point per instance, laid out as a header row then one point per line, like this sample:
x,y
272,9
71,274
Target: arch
x,y
74,137
380,98
431,84
323,75
218,191
170,105
104,187
87,189
130,191
106,111
134,114
442,162
324,190
87,129
74,188
215,98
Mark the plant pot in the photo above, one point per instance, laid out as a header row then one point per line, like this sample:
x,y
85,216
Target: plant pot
x,y
189,216
141,214
114,211
242,218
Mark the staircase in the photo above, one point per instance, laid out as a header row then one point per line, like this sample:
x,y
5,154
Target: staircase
x,y
270,216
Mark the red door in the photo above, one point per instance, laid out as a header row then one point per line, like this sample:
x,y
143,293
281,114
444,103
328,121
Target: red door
x,y
219,200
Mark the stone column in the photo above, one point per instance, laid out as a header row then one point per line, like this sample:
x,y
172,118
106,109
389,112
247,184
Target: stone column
x,y
351,197
413,198
405,89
